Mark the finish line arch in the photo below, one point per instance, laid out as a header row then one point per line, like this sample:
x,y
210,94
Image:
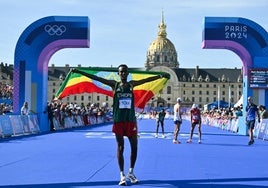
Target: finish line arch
x,y
38,42
250,42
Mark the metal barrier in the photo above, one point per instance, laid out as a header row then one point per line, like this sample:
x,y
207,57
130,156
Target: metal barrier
x,y
15,125
238,125
19,125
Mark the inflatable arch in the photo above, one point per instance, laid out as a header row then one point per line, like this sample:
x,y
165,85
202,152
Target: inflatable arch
x,y
36,45
250,42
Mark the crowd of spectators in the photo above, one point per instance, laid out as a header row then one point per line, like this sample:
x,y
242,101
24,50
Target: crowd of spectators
x,y
88,113
99,111
233,113
225,113
6,91
6,95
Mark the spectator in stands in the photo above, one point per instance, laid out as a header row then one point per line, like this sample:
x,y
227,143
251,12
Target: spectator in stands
x,y
195,114
237,112
2,109
94,111
57,115
6,91
50,116
24,109
84,113
251,113
263,112
63,114
125,123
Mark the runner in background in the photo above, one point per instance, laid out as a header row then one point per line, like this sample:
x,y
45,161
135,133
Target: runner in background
x,y
160,120
251,113
177,121
195,120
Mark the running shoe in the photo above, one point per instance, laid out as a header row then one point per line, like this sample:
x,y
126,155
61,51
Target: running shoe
x,y
250,142
132,178
199,141
189,141
176,142
123,181
163,136
156,136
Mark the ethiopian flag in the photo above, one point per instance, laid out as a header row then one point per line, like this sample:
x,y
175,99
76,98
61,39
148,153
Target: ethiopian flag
x,y
76,83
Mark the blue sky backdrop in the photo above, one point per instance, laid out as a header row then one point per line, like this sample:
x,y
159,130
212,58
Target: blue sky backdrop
x,y
122,30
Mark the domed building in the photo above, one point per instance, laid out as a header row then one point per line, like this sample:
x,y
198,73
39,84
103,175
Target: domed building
x,y
201,86
161,51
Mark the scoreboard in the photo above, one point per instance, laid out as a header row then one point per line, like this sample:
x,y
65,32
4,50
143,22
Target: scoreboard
x,y
258,78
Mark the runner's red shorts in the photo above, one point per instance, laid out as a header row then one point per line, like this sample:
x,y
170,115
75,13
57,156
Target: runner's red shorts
x,y
125,128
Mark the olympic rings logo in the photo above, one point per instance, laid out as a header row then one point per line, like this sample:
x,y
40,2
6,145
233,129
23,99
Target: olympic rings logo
x,y
55,29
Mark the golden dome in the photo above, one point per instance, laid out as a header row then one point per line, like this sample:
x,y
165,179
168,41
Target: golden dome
x,y
161,44
161,51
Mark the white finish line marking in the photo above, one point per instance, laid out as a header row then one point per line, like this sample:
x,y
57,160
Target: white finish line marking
x,y
142,135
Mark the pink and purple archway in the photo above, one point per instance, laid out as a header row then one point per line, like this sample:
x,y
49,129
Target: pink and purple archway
x,y
36,45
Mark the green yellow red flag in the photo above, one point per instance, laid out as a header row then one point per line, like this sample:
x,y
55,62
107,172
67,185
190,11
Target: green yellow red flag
x,y
76,83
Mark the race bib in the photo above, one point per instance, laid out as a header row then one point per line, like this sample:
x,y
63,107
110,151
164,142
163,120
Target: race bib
x,y
124,103
195,117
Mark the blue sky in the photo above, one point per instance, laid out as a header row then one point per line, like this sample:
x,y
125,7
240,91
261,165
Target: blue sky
x,y
122,30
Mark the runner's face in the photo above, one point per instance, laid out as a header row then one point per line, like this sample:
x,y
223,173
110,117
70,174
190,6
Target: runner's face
x,y
123,72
